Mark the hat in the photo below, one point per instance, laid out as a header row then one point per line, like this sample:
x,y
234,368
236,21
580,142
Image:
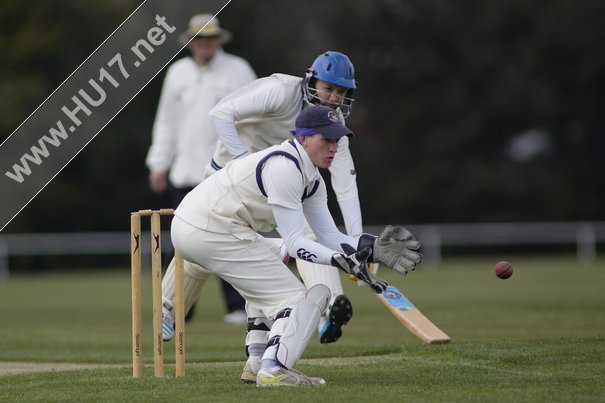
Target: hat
x,y
320,119
204,25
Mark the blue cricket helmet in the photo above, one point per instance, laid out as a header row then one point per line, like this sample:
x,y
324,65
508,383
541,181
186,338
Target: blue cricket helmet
x,y
334,67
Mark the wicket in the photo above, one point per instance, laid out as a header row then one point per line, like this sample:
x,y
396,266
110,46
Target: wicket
x,y
156,272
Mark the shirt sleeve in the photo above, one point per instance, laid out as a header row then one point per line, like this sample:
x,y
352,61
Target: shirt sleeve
x,y
351,214
290,225
163,144
283,183
324,228
284,186
228,135
344,183
262,97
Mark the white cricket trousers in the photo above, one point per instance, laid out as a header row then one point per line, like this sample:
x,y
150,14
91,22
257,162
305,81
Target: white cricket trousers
x,y
252,266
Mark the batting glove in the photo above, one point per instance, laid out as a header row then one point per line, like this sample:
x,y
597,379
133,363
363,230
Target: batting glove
x,y
356,264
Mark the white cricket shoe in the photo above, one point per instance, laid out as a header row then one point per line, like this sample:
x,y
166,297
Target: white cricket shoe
x,y
285,377
238,317
167,323
251,369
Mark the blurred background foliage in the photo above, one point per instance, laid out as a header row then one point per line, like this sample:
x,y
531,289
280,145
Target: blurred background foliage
x,y
466,111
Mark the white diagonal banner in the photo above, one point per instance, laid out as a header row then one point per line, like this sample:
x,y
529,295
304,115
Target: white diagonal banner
x,y
91,97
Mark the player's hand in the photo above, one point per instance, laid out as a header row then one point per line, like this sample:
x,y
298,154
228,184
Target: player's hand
x,y
356,264
397,248
158,182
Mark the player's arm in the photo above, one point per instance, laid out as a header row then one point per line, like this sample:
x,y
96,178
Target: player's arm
x,y
228,136
354,260
290,225
242,76
163,145
340,255
322,223
396,247
344,183
284,186
259,98
336,249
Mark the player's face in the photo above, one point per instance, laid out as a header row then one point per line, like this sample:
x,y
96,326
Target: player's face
x,y
320,149
330,94
203,48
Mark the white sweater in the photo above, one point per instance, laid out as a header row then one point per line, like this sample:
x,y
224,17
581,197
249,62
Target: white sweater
x,y
183,136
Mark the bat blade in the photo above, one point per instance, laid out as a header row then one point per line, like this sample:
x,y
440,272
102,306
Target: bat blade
x,y
411,317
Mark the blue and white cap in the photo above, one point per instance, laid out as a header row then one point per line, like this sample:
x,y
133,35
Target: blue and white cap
x,y
320,119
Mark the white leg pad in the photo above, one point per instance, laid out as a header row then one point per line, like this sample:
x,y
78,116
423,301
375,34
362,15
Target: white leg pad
x,y
313,273
194,279
258,332
295,331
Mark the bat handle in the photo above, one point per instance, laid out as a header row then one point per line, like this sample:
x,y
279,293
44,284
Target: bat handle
x,y
372,268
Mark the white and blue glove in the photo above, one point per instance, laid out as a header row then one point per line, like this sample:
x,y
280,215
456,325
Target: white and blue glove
x,y
356,264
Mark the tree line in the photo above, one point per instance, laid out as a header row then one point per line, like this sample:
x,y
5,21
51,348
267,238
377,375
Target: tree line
x,y
465,111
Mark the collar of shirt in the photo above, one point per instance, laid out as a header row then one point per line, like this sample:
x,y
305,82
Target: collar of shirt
x,y
218,54
308,168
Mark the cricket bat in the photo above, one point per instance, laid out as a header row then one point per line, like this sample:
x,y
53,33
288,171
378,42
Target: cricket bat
x,y
411,317
408,314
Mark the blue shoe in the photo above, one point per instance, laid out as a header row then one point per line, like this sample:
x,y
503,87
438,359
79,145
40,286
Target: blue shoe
x,y
339,314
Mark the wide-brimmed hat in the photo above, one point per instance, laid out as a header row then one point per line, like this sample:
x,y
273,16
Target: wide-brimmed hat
x,y
320,119
204,25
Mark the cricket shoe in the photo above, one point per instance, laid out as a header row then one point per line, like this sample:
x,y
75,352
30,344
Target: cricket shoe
x,y
250,370
286,377
167,324
339,314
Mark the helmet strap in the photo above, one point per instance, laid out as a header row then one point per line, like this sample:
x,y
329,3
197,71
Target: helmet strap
x,y
308,87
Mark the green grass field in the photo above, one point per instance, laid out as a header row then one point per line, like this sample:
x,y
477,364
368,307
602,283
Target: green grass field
x,y
537,337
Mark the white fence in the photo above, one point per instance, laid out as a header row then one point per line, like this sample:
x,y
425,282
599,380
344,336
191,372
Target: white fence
x,y
584,236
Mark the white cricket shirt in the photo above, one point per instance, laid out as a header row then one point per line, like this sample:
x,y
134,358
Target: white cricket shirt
x,y
183,136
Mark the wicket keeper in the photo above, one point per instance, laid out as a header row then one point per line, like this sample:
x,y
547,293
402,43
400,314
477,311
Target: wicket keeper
x,y
217,224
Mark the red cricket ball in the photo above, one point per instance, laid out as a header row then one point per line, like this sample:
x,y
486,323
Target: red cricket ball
x,y
504,269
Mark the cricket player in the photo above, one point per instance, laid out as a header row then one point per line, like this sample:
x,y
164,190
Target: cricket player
x,y
216,228
260,115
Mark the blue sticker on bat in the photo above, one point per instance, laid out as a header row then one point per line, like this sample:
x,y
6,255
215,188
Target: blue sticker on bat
x,y
397,299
